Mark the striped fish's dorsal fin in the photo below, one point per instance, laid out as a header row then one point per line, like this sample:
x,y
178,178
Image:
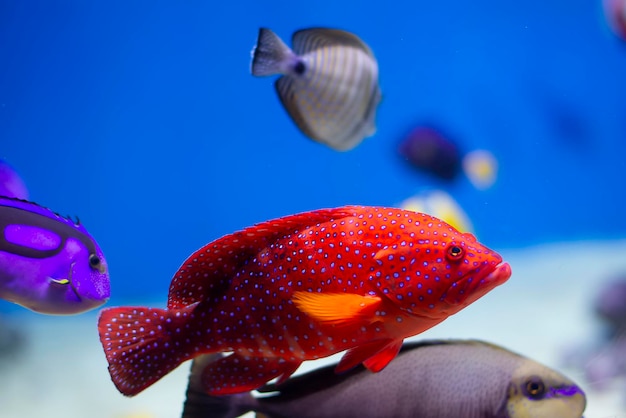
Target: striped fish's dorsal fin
x,y
307,40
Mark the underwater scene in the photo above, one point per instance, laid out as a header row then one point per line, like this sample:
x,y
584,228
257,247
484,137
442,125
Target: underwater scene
x,y
335,209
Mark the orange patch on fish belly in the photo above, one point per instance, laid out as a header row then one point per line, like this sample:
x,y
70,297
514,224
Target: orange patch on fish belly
x,y
337,308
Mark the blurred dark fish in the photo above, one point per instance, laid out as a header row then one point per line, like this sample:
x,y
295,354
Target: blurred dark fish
x,y
12,340
565,120
605,363
615,14
11,184
604,360
429,150
429,379
329,84
48,263
610,305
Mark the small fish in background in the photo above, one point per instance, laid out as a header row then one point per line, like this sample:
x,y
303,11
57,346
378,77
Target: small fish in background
x,y
615,14
481,168
605,360
12,341
48,263
431,151
565,121
298,288
442,205
437,378
605,364
610,305
329,83
11,184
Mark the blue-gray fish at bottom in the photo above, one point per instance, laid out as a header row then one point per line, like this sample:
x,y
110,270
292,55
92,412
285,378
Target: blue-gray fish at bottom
x,y
428,379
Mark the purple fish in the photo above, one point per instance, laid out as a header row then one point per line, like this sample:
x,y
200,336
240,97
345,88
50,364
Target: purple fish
x,y
48,263
11,185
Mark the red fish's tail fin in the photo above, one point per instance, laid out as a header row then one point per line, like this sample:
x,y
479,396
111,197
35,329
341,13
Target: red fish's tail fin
x,y
141,345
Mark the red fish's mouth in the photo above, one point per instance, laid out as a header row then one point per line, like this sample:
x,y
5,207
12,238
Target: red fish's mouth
x,y
476,284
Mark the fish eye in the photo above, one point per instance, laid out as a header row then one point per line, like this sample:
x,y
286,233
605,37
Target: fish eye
x,y
299,68
94,261
534,388
454,253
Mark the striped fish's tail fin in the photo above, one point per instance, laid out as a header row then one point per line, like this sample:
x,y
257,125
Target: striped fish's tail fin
x,y
139,345
270,55
199,404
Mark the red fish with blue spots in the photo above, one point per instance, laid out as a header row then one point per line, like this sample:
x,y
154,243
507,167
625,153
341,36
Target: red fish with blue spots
x,y
299,288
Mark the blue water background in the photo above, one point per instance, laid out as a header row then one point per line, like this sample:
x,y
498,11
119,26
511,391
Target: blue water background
x,y
142,118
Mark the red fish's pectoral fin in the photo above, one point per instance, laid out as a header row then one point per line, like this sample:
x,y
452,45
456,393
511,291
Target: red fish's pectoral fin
x,y
138,345
208,271
236,373
360,354
380,360
337,308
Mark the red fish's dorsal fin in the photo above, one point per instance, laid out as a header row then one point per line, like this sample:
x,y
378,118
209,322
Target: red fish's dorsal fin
x,y
208,271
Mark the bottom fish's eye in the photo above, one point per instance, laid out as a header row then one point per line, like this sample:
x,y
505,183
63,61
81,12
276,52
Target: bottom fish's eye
x,y
534,388
94,261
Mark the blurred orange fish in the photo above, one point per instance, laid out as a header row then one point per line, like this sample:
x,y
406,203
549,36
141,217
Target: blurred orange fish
x,y
299,288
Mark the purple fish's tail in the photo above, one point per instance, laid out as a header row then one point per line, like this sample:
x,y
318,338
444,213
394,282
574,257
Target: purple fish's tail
x,y
143,344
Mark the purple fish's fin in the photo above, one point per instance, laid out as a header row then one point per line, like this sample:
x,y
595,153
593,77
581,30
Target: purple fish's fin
x,y
271,55
380,360
11,184
361,353
337,308
208,271
237,373
138,344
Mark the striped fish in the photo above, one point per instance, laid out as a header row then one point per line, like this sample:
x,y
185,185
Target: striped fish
x,y
329,84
